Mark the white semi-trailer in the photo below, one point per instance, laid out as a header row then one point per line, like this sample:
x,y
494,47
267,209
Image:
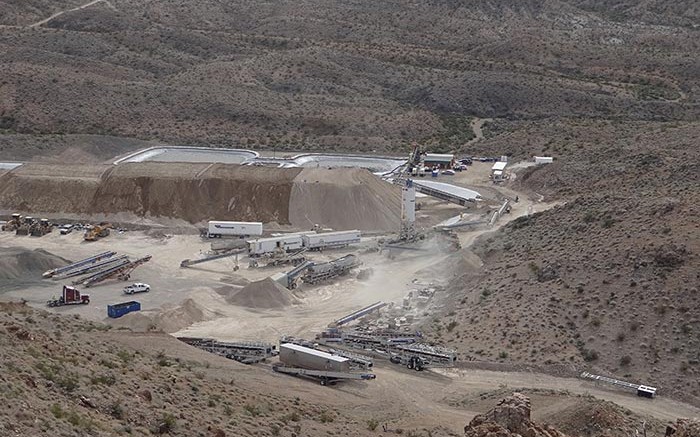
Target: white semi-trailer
x,y
328,240
218,229
285,243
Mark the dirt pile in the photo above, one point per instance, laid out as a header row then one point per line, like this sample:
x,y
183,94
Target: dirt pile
x,y
17,264
167,320
510,418
344,199
263,294
196,192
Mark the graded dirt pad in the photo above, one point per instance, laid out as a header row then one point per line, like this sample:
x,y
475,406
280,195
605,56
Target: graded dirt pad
x,y
18,264
263,294
344,199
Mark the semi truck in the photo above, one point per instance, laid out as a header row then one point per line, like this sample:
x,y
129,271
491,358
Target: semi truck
x,y
329,240
69,296
218,229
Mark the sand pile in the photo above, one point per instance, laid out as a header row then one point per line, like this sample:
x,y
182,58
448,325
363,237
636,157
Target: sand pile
x,y
344,199
263,294
17,264
168,320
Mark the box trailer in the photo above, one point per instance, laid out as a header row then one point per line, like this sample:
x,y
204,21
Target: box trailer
x,y
331,239
294,355
117,310
262,246
218,229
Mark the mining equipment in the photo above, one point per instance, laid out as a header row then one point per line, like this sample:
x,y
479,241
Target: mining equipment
x,y
41,228
25,226
191,262
94,232
79,264
69,296
13,223
316,273
246,352
644,391
278,257
325,367
122,270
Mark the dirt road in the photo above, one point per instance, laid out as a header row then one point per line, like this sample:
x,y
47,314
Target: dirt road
x,y
86,5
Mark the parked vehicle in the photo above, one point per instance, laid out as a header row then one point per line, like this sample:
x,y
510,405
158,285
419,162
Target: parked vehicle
x,y
69,296
218,229
448,172
66,229
137,287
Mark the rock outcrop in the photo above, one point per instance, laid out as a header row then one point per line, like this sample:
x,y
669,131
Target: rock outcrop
x,y
510,418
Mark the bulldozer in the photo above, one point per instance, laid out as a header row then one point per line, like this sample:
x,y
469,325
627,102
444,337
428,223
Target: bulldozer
x,y
13,223
94,232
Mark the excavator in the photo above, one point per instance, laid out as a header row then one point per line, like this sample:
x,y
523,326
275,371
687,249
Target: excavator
x,y
94,232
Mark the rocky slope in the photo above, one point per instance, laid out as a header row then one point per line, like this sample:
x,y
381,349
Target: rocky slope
x,y
609,280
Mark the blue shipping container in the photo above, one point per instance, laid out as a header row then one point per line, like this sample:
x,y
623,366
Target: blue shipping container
x,y
119,309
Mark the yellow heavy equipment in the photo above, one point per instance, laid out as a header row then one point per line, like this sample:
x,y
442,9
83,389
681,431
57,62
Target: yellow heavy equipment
x,y
25,226
41,228
13,223
94,232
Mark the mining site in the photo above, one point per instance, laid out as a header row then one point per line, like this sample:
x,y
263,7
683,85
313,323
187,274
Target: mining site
x,y
320,218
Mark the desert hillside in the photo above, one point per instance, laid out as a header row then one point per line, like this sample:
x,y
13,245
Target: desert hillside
x,y
336,75
609,279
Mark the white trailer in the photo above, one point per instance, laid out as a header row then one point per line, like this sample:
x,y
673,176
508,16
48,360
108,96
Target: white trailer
x,y
331,239
218,229
285,243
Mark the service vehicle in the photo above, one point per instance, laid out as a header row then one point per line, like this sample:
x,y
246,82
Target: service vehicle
x,y
137,287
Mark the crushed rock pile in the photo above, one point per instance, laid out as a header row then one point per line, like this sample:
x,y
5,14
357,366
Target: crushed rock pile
x,y
263,294
347,198
510,418
23,264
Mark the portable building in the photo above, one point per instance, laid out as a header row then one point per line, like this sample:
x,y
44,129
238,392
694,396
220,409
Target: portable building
x,y
440,160
331,239
262,246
